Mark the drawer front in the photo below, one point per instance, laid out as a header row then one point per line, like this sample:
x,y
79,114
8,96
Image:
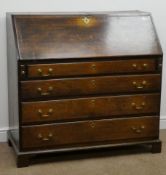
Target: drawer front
x,y
89,86
90,68
89,132
83,108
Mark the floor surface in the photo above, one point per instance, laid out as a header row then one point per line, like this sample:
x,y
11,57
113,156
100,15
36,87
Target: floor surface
x,y
110,163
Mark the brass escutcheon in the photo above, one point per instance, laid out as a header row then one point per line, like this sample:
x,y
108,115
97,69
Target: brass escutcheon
x,y
93,82
93,102
93,66
92,124
86,20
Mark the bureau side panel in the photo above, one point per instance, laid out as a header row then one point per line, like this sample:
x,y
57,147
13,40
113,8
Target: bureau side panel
x,y
12,63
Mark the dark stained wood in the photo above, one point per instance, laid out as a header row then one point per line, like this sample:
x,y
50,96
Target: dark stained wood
x,y
86,108
156,147
87,150
13,92
88,131
74,36
23,160
90,68
9,143
89,86
82,81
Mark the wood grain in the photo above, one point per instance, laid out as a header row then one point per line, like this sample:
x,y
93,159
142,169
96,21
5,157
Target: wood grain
x,y
89,86
90,68
69,36
89,108
69,134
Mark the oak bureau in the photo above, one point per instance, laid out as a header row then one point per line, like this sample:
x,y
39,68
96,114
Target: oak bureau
x,y
81,81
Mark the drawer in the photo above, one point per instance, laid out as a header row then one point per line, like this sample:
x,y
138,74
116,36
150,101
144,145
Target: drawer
x,y
84,108
90,68
88,132
89,86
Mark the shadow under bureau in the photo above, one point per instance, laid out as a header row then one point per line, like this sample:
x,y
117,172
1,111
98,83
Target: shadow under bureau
x,y
81,81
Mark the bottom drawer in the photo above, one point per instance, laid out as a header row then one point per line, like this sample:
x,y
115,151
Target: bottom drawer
x,y
89,132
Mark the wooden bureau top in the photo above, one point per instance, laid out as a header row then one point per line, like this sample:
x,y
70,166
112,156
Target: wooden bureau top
x,y
84,35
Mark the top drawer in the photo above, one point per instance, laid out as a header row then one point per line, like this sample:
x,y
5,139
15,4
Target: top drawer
x,y
90,68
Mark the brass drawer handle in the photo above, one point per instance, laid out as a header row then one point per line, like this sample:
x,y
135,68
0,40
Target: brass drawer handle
x,y
138,107
50,89
140,85
145,65
40,71
138,130
40,112
135,66
45,138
